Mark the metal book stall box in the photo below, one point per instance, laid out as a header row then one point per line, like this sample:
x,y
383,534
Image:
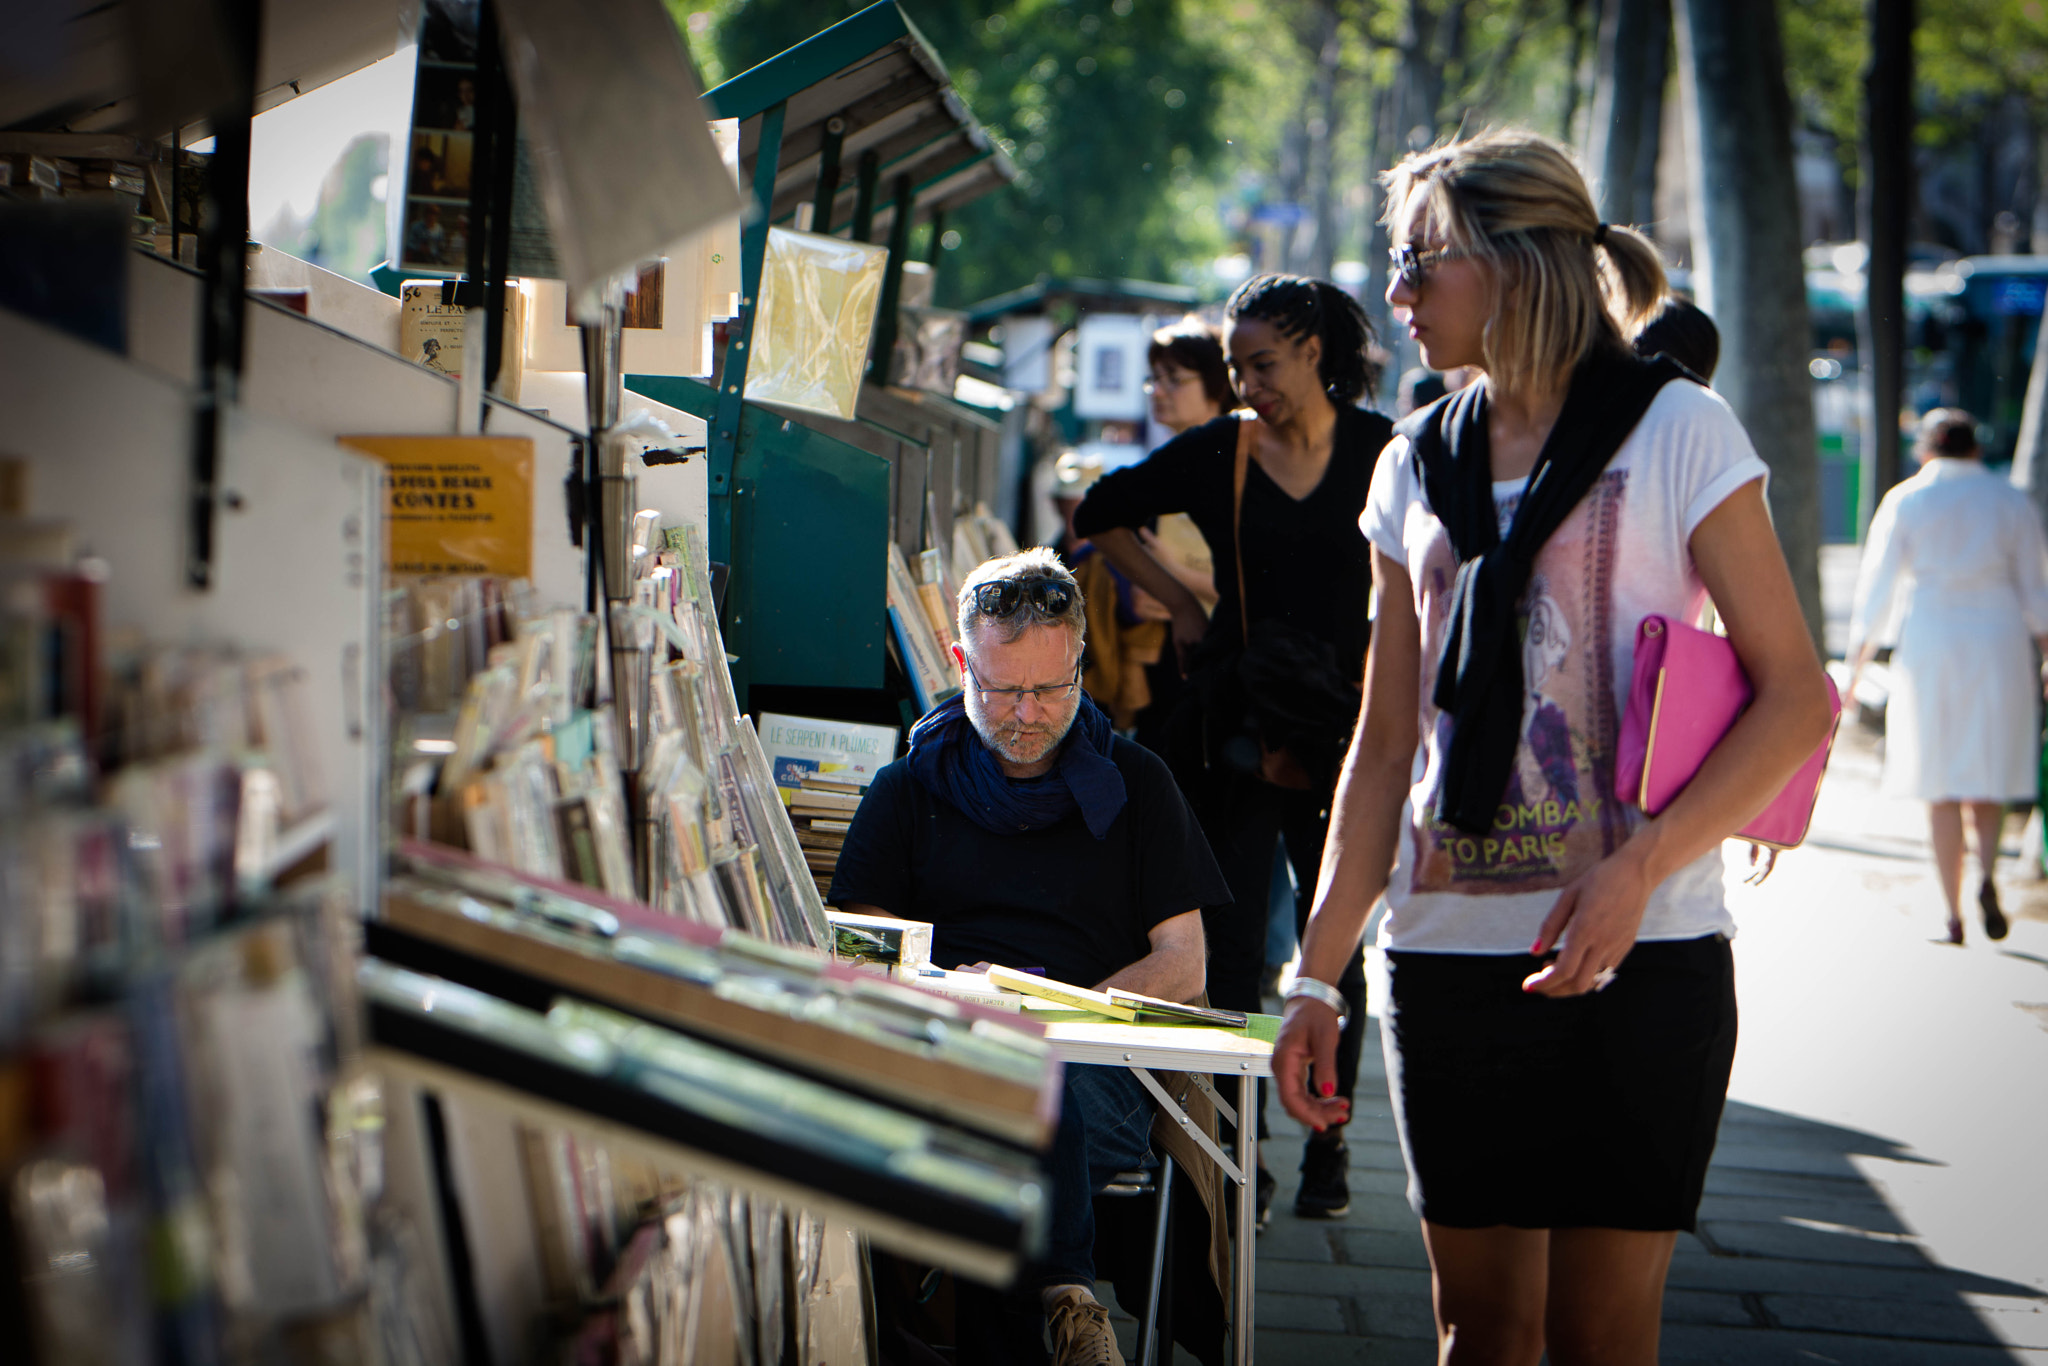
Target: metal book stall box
x,y
849,137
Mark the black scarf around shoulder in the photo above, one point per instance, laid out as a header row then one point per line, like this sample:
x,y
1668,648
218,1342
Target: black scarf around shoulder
x,y
1479,678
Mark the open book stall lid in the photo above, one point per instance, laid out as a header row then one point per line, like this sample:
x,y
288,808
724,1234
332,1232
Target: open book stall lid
x,y
519,888
740,1113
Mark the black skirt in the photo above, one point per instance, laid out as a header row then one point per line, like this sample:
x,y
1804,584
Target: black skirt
x,y
1597,1111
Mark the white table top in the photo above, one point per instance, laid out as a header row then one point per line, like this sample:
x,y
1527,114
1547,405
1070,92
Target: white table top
x,y
1181,1048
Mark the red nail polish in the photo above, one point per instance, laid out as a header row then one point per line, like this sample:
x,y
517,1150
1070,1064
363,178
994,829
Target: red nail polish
x,y
1536,949
1329,1088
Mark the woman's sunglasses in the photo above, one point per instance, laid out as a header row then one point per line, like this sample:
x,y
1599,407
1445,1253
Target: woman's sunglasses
x,y
1414,266
1005,596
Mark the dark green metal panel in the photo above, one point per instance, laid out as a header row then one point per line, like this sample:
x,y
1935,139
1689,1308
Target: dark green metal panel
x,y
818,57
809,544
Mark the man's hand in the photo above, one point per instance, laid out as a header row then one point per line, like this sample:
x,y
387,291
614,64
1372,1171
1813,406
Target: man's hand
x,y
1305,1061
1592,926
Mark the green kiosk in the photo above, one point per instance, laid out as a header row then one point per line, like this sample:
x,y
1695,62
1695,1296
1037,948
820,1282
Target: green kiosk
x,y
803,507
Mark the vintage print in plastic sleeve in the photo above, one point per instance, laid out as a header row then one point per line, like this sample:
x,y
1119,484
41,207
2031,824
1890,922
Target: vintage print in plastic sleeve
x,y
456,504
818,302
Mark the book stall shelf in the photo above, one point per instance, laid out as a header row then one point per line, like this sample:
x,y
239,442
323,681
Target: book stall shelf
x,y
407,950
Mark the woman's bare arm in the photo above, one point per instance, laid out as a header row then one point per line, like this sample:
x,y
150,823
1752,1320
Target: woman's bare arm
x,y
1122,548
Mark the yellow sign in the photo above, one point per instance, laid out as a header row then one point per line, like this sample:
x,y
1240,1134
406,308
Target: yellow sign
x,y
456,504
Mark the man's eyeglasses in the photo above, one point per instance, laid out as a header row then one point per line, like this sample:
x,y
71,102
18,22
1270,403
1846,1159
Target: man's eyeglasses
x,y
1051,695
1414,266
1005,596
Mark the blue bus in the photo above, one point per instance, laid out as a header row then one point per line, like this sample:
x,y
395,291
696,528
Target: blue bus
x,y
1970,330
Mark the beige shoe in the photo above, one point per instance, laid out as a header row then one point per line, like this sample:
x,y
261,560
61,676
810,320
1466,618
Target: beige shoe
x,y
1081,1335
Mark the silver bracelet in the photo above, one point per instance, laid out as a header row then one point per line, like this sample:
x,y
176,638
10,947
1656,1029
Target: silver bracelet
x,y
1315,990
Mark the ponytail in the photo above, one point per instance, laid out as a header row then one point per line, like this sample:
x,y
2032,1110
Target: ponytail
x,y
1634,280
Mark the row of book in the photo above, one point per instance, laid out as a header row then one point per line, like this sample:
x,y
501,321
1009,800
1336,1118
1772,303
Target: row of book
x,y
923,593
721,846
189,1151
438,631
748,1108
157,188
537,771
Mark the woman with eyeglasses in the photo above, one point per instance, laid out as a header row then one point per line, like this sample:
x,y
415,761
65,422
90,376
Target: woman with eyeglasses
x,y
1273,675
1188,385
1560,1020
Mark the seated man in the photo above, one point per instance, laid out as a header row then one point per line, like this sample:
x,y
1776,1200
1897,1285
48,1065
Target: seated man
x,y
1029,834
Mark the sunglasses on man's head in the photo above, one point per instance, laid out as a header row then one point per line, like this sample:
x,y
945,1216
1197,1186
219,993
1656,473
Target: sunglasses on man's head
x,y
1005,596
1414,266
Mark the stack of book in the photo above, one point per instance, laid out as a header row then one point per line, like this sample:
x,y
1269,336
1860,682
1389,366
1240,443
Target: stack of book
x,y
822,812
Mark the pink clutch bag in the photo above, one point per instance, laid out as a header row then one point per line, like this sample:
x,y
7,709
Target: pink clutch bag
x,y
1686,692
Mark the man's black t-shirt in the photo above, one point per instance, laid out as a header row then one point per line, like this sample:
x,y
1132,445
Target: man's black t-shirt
x,y
1057,898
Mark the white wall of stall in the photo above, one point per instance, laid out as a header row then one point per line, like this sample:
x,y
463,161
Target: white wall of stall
x,y
331,383
108,447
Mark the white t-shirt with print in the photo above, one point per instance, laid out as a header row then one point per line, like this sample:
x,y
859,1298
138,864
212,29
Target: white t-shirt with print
x,y
1621,555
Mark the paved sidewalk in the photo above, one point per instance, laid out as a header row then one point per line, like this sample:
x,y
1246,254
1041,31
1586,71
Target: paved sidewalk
x,y
1880,1191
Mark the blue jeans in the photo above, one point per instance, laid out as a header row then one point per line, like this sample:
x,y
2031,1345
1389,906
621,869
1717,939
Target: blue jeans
x,y
1105,1128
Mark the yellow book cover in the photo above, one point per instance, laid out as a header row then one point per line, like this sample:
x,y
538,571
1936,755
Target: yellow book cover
x,y
1061,993
456,504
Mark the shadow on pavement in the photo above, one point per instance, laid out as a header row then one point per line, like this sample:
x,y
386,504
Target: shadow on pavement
x,y
1800,1258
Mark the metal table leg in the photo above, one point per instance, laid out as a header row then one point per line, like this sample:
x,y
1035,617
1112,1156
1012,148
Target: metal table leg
x,y
1247,1216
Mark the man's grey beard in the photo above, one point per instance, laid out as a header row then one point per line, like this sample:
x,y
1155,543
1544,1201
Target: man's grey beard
x,y
1020,744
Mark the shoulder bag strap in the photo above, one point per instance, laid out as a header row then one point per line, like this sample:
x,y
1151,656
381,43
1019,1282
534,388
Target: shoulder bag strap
x,y
1247,433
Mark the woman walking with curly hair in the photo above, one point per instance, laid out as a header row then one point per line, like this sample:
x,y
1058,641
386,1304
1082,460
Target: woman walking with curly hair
x,y
1561,1015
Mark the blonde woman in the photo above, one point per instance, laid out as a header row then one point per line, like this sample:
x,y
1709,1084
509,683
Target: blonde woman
x,y
1561,1019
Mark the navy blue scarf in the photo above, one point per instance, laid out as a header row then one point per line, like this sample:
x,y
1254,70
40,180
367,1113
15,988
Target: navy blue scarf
x,y
948,756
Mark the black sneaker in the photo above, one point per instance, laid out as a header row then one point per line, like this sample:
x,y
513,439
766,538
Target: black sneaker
x,y
1268,1187
1324,1193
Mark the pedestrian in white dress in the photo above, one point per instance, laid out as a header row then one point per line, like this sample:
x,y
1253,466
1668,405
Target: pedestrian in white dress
x,y
1955,576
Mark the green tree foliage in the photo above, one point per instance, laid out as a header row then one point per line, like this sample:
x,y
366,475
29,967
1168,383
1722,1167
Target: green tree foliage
x,y
1967,54
1970,53
1108,108
345,233
1827,45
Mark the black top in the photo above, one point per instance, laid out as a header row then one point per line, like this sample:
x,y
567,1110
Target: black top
x,y
1057,898
1306,562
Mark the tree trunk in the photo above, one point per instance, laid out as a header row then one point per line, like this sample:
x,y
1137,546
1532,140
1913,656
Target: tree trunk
x,y
2030,452
1628,107
1883,209
1419,84
1322,139
1573,16
1382,150
1750,276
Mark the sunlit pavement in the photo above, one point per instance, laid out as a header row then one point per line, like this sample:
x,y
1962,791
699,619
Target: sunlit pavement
x,y
1880,1191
